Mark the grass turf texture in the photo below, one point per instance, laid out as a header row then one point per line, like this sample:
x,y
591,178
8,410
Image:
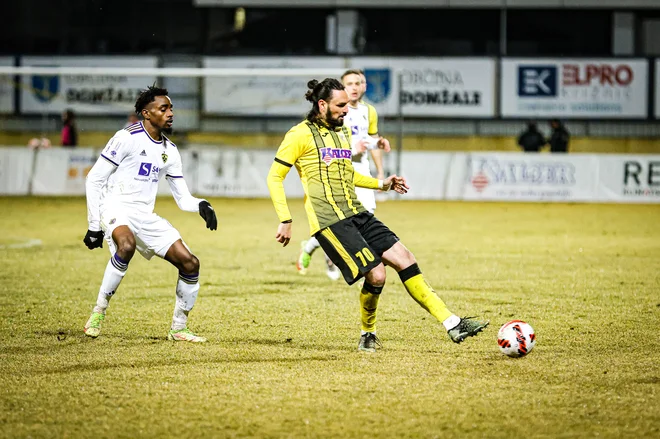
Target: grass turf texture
x,y
281,359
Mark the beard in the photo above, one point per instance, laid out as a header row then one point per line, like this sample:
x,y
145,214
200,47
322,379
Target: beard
x,y
332,122
167,130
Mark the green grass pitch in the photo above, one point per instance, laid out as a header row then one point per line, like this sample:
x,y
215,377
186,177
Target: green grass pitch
x,y
281,360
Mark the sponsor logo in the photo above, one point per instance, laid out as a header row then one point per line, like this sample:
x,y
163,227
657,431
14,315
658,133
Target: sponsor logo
x,y
641,179
143,153
520,173
354,130
444,97
330,154
112,221
79,166
576,88
480,181
597,74
442,87
379,84
113,153
537,81
145,169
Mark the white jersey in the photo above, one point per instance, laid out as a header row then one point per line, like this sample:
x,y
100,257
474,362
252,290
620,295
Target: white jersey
x,y
363,123
126,174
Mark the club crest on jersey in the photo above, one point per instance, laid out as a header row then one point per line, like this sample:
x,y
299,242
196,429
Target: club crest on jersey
x,y
164,157
330,154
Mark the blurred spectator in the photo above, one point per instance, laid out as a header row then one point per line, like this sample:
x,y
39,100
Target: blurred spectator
x,y
559,138
36,143
132,118
531,140
69,133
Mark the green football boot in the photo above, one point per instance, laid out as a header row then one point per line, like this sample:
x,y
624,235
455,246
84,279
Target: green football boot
x,y
93,325
467,327
304,259
184,334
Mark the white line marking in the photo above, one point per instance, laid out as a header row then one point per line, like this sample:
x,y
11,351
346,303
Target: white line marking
x,y
27,244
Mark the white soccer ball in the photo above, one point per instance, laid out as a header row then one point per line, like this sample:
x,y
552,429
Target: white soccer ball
x,y
516,338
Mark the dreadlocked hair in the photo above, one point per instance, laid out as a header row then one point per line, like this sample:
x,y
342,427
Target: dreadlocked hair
x,y
320,90
147,96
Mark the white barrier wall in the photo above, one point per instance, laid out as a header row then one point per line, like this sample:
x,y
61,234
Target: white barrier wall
x,y
15,171
231,172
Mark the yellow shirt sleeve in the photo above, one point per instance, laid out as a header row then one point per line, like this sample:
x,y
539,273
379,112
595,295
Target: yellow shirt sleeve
x,y
373,120
292,147
364,181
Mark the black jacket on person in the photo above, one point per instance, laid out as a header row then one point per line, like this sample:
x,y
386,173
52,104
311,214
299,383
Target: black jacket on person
x,y
559,139
531,140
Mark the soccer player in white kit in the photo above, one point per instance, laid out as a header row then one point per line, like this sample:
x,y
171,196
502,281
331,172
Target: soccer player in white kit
x,y
121,193
362,120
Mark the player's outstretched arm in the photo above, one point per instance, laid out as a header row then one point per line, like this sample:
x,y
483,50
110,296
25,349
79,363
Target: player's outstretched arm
x,y
366,181
186,202
396,183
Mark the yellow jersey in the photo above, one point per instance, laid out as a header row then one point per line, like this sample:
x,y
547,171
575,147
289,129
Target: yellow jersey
x,y
322,157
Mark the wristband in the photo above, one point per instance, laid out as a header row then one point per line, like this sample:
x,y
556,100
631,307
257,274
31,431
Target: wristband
x,y
287,221
380,184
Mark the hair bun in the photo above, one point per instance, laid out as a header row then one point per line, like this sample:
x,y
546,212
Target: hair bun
x,y
311,85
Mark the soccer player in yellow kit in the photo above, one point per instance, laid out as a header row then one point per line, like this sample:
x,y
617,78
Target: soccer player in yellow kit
x,y
362,121
356,241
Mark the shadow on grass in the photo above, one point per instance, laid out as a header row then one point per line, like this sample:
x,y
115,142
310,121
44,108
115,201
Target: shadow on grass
x,y
187,363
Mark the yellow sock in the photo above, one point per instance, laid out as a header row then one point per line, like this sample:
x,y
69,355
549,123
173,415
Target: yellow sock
x,y
423,294
368,303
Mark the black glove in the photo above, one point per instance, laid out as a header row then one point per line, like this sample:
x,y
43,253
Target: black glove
x,y
93,239
207,212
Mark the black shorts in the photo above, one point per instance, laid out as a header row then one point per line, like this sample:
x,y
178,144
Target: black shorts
x,y
356,244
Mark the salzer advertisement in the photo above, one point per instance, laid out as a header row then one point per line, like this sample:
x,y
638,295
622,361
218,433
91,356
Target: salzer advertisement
x,y
575,88
84,94
455,87
530,177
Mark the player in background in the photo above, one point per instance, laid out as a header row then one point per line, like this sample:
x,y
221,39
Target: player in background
x,y
356,241
362,120
376,154
121,194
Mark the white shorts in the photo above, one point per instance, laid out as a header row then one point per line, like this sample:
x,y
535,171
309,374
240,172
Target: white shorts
x,y
153,235
367,197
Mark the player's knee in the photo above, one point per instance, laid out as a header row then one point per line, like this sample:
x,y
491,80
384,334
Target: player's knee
x,y
376,277
191,264
126,246
409,258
